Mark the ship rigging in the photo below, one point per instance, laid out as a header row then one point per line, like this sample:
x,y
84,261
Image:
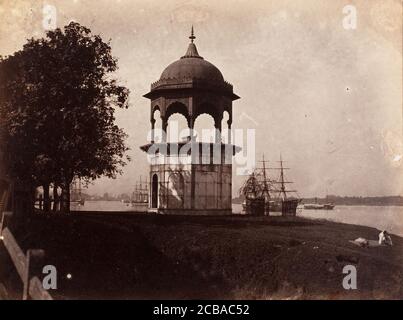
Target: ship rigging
x,y
274,193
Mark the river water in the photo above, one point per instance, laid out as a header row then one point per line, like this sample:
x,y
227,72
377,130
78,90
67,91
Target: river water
x,y
381,217
388,218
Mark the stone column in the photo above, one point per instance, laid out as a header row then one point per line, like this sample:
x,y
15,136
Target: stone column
x,y
164,129
229,122
217,126
152,130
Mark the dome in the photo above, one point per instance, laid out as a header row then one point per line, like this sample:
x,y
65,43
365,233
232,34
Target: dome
x,y
191,71
192,68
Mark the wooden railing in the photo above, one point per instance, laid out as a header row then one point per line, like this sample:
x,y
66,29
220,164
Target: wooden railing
x,y
26,265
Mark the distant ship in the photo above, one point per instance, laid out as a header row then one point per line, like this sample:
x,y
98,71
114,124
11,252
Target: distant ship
x,y
317,206
76,196
139,198
273,192
254,203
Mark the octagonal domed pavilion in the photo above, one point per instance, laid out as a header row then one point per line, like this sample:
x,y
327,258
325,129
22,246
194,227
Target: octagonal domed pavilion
x,y
191,86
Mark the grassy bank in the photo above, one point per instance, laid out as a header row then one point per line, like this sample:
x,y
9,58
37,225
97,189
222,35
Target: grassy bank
x,y
178,257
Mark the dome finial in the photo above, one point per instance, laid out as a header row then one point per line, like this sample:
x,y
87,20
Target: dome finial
x,y
192,50
192,36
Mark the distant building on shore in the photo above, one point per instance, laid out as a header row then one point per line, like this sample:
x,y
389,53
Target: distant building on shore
x,y
190,177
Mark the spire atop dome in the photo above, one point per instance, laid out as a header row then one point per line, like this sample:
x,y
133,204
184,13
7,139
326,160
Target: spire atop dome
x,y
192,36
192,50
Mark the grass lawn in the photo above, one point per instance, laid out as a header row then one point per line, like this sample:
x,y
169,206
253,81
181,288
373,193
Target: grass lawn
x,y
229,257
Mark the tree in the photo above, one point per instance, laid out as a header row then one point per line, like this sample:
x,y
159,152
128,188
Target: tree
x,y
57,102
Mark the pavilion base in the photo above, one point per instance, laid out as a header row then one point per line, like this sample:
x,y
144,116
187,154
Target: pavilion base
x,y
191,212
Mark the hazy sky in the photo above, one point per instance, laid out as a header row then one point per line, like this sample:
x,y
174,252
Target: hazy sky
x,y
328,99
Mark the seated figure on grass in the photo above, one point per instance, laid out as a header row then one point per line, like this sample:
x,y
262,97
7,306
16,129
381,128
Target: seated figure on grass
x,y
385,239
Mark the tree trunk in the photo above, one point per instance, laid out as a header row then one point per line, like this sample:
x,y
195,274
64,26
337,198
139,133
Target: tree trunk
x,y
46,198
23,203
66,198
55,197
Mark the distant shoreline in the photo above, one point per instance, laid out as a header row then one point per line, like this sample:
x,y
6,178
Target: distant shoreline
x,y
236,201
349,201
336,200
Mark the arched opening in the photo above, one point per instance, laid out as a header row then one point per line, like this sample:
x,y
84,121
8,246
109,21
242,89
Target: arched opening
x,y
154,191
178,128
177,121
204,128
225,127
157,135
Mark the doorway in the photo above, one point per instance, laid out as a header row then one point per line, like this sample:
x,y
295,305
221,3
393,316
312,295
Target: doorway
x,y
154,191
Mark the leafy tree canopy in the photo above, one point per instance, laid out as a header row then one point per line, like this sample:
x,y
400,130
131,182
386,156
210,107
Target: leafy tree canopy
x,y
57,102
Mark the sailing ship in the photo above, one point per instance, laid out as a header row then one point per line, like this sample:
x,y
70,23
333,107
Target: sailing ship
x,y
139,198
282,202
273,191
76,196
317,206
254,203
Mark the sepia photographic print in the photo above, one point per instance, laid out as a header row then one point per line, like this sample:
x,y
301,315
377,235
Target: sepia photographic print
x,y
201,150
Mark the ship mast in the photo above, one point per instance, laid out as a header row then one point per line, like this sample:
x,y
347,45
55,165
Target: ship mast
x,y
283,191
135,192
140,191
265,190
146,191
282,187
251,188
